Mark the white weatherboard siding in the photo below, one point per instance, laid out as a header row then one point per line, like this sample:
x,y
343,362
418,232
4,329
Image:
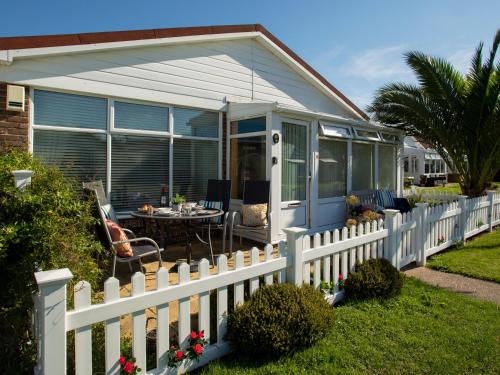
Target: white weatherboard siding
x,y
196,75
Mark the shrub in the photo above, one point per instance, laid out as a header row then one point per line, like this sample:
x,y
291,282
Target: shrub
x,y
374,278
279,319
46,226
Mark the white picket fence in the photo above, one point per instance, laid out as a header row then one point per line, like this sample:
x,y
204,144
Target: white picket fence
x,y
302,259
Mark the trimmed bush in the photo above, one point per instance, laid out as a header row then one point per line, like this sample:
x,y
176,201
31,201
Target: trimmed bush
x,y
279,319
48,226
374,278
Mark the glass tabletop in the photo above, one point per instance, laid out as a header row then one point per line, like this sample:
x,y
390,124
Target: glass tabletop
x,y
205,213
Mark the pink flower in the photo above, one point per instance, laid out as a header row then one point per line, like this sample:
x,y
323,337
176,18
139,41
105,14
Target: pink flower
x,y
122,360
179,355
201,334
198,349
341,277
193,335
128,368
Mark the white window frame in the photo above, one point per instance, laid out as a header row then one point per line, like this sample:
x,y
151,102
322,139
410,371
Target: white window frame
x,y
329,127
362,137
111,130
348,183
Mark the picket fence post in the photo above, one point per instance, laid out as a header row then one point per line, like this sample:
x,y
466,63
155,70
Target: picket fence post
x,y
295,268
491,199
52,290
421,232
462,203
392,224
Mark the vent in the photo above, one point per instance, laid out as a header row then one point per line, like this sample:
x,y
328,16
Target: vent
x,y
15,98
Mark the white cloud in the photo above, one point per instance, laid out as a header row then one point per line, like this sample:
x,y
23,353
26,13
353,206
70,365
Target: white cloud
x,y
461,59
384,63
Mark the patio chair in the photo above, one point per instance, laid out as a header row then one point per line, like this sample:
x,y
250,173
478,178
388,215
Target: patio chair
x,y
254,192
141,246
218,196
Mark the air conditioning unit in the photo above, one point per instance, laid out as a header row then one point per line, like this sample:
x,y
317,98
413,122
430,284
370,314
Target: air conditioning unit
x,y
15,98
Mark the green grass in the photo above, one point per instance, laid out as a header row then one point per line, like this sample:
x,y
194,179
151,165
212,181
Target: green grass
x,y
424,331
479,258
453,188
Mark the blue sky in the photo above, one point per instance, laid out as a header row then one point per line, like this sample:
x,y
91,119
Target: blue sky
x,y
357,45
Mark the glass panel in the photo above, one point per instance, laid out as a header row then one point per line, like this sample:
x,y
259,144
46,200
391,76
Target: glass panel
x,y
389,137
139,169
293,171
362,166
69,110
141,117
248,162
335,131
406,166
367,134
81,156
196,123
195,162
249,125
387,167
332,171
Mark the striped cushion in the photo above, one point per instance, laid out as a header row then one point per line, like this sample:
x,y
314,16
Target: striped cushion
x,y
212,204
385,198
109,212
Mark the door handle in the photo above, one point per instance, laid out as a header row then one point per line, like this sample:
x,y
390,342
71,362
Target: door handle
x,y
297,204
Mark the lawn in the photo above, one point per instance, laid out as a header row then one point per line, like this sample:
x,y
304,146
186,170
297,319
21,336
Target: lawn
x,y
425,330
453,188
479,258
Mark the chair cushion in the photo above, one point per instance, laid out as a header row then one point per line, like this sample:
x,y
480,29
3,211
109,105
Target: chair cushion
x,y
109,212
212,204
117,234
254,215
385,198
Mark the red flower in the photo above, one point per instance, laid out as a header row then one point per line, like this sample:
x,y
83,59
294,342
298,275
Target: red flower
x,y
198,349
179,355
341,277
128,368
122,360
193,335
201,334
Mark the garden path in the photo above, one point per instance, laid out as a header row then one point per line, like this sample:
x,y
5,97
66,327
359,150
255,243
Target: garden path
x,y
480,289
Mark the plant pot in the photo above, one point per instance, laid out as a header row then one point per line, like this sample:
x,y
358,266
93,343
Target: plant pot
x,y
176,207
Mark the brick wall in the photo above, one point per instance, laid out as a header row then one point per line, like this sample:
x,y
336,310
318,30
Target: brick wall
x,y
14,126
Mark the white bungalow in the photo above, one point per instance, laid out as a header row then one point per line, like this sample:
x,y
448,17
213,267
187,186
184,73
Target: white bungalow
x,y
175,107
421,160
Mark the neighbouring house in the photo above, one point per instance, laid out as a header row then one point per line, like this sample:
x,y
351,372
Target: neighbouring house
x,y
147,109
422,163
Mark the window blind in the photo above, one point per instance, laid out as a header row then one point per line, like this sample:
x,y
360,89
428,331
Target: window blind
x,y
332,173
386,167
80,156
139,169
70,110
141,117
195,162
362,166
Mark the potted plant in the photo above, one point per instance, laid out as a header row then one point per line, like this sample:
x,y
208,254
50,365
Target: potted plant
x,y
177,201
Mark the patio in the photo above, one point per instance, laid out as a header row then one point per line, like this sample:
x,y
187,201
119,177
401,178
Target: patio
x,y
174,253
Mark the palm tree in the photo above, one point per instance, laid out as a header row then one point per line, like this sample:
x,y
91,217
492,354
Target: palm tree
x,y
458,115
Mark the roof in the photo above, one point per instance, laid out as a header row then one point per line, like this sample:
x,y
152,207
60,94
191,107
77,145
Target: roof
x,y
41,41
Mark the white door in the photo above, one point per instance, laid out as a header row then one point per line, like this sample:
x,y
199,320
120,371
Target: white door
x,y
294,174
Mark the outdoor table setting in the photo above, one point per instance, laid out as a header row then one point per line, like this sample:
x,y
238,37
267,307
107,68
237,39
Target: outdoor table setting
x,y
188,213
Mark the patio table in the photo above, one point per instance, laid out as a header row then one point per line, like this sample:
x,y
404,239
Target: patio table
x,y
188,219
